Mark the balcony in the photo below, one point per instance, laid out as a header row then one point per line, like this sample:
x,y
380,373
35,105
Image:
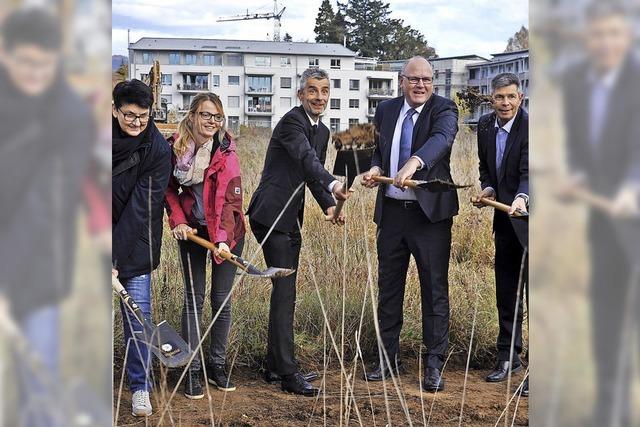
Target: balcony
x,y
192,87
259,90
371,112
258,110
381,93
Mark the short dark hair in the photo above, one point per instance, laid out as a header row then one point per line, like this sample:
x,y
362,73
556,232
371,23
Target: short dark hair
x,y
603,9
504,79
32,26
132,92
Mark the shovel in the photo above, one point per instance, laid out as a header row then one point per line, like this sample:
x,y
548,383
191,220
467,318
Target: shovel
x,y
163,341
251,270
434,185
519,220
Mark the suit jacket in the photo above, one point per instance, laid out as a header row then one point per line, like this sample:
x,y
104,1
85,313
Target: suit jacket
x,y
433,136
514,173
294,156
615,158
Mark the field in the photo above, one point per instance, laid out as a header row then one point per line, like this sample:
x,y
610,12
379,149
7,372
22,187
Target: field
x,y
334,324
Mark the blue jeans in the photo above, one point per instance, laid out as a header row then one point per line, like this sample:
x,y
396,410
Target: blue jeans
x,y
138,363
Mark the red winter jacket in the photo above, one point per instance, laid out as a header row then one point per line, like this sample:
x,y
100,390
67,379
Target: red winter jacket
x,y
222,197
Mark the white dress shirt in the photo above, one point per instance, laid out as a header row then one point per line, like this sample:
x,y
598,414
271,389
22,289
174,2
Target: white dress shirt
x,y
395,192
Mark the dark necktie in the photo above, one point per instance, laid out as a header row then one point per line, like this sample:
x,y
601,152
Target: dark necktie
x,y
405,138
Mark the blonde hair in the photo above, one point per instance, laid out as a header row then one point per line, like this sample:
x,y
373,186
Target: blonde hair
x,y
186,131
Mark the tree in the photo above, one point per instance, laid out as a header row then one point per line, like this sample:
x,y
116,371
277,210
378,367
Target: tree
x,y
470,99
122,73
287,37
325,29
519,41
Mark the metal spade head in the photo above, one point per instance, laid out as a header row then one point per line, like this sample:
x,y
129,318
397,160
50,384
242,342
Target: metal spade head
x,y
440,185
351,163
166,344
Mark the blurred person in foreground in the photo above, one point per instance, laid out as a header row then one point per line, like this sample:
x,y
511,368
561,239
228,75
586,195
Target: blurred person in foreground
x,y
601,97
141,170
295,157
47,136
205,197
417,132
503,150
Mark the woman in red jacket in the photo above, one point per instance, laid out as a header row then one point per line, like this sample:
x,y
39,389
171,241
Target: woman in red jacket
x,y
206,169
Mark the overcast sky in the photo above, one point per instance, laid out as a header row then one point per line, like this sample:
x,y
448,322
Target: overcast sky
x,y
456,27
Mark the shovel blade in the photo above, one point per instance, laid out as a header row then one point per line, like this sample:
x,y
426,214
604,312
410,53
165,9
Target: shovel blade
x,y
521,227
167,345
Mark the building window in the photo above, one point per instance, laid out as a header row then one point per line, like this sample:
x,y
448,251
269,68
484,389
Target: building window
x,y
447,91
147,57
233,101
190,58
166,99
285,102
314,62
517,66
233,122
436,90
472,74
144,77
526,64
259,84
166,80
195,82
354,103
335,104
211,59
174,58
354,84
435,75
285,82
285,61
334,125
336,83
259,104
234,60
335,64
263,61
215,79
234,81
353,122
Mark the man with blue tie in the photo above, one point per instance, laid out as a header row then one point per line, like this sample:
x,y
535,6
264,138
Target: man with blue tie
x,y
503,150
416,131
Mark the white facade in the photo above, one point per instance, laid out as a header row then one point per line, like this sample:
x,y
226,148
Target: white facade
x,y
257,81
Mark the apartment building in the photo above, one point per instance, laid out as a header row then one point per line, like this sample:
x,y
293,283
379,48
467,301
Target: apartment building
x,y
257,80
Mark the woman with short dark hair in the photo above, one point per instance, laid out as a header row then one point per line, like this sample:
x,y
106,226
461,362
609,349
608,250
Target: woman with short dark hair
x,y
141,169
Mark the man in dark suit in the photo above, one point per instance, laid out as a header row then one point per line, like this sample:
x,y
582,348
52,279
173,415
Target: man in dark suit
x,y
295,157
503,150
603,152
417,131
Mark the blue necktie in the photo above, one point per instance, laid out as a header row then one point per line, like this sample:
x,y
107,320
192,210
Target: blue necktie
x,y
405,138
501,143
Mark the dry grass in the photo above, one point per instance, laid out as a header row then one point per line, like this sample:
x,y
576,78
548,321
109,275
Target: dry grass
x,y
338,257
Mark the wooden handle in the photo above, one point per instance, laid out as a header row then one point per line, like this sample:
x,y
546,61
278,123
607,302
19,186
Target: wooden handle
x,y
598,202
497,205
116,285
213,248
386,180
336,211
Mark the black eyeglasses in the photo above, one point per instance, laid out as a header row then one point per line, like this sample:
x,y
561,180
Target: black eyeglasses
x,y
415,80
130,117
208,116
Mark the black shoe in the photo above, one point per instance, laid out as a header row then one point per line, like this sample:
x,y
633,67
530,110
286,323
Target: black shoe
x,y
296,384
433,380
192,386
219,378
501,371
525,388
381,371
271,377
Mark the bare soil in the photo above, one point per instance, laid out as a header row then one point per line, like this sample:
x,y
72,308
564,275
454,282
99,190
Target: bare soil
x,y
256,403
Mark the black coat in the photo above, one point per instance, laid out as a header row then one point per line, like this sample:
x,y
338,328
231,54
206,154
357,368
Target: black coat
x,y
294,156
514,173
138,187
433,136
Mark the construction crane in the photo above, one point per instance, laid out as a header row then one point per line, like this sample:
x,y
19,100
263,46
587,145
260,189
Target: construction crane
x,y
154,80
276,15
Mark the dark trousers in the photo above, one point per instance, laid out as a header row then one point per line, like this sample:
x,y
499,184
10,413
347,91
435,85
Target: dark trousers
x,y
508,264
404,232
280,250
194,262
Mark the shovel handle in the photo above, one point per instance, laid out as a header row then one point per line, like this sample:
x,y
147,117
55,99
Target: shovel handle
x,y
337,210
497,205
386,180
213,248
598,202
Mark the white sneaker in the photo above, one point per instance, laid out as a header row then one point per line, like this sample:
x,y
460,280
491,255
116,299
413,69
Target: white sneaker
x,y
140,404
